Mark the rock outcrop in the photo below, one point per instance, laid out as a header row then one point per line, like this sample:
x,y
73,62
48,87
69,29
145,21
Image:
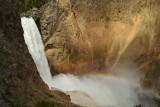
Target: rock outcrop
x,y
82,99
20,83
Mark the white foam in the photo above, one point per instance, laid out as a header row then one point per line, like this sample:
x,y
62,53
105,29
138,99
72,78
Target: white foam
x,y
36,48
106,91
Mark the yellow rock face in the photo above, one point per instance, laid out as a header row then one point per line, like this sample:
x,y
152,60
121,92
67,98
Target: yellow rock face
x,y
95,35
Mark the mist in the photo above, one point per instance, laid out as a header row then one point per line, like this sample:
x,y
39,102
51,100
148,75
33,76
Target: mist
x,y
107,91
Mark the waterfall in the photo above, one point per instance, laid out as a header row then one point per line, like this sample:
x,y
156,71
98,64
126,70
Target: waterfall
x,y
35,46
107,91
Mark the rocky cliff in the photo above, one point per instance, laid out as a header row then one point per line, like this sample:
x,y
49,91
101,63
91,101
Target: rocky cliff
x,y
20,83
86,36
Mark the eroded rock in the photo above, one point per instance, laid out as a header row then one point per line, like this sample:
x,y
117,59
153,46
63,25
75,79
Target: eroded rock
x,y
87,36
90,36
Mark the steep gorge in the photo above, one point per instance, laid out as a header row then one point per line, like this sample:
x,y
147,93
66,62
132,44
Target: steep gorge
x,y
80,37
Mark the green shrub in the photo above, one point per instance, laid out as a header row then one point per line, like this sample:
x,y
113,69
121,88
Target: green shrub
x,y
25,5
157,101
48,104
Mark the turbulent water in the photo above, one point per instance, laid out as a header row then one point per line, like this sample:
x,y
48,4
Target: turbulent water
x,y
36,48
107,91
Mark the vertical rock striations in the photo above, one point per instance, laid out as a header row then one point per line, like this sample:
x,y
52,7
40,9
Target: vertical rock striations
x,y
91,35
86,36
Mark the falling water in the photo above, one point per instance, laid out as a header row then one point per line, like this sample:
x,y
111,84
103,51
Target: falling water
x,y
107,91
36,48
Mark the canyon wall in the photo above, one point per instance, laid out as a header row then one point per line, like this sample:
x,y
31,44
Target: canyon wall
x,y
95,35
88,36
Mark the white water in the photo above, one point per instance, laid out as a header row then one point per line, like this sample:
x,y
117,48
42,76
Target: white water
x,y
106,91
35,46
